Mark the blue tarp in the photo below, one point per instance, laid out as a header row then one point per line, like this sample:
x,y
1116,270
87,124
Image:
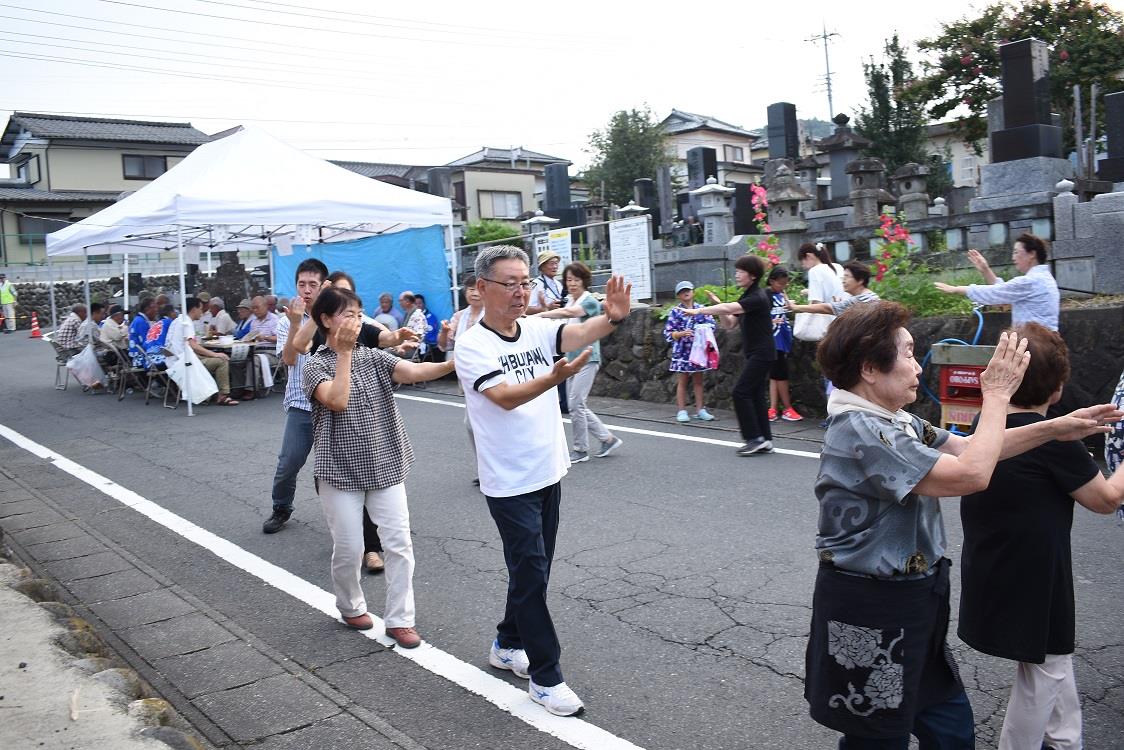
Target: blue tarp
x,y
412,259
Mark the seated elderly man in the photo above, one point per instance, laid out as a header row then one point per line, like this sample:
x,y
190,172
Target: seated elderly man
x,y
263,324
68,334
221,323
245,315
91,326
217,363
271,303
114,331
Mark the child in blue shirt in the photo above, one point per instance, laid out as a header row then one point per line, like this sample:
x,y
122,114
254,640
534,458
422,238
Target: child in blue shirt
x,y
777,281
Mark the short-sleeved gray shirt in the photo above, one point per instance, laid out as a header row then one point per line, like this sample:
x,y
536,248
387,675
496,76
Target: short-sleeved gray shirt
x,y
871,521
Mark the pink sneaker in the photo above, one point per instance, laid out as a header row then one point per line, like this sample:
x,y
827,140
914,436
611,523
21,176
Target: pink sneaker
x,y
772,415
790,415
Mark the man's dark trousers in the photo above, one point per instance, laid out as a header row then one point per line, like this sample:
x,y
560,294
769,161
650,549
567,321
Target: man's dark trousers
x,y
528,526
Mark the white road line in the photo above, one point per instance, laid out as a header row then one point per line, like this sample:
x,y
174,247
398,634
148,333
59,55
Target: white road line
x,y
633,430
575,732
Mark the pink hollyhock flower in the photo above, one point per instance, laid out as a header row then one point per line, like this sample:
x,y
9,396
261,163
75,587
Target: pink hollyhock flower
x,y
763,245
774,259
767,228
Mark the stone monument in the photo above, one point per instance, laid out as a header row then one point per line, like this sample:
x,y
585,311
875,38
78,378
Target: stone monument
x,y
783,131
665,198
1026,152
866,191
785,195
702,164
557,187
1112,167
909,184
842,147
714,212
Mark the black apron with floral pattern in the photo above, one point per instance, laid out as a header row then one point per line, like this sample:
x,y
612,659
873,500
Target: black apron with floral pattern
x,y
877,653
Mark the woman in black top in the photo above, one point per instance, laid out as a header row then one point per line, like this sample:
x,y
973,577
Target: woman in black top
x,y
752,312
1017,595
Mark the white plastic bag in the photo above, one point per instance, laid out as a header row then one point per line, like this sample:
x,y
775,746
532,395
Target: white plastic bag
x,y
86,368
199,386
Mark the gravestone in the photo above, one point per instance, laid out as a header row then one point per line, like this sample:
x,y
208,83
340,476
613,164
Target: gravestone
x,y
1026,151
743,210
644,193
783,131
665,198
557,178
439,181
1028,129
1111,168
702,163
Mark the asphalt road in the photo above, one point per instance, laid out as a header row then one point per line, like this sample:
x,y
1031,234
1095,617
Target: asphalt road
x,y
681,589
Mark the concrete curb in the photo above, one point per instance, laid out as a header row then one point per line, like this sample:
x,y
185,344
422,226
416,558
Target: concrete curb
x,y
103,697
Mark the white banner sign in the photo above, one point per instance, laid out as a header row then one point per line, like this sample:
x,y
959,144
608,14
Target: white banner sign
x,y
630,254
559,242
542,244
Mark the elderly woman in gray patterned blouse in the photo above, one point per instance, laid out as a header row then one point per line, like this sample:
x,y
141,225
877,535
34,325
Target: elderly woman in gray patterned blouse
x,y
878,667
362,458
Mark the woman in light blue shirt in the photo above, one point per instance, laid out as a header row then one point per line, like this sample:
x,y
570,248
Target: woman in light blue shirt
x,y
1033,297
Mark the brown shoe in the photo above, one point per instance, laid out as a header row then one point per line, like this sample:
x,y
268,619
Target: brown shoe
x,y
373,562
359,622
247,395
405,637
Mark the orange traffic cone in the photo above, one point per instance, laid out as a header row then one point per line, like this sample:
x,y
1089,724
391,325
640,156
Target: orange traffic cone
x,y
35,326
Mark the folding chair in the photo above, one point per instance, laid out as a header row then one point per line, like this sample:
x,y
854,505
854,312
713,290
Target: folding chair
x,y
159,376
121,371
62,372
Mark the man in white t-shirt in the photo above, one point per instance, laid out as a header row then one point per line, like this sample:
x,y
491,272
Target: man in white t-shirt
x,y
182,334
506,366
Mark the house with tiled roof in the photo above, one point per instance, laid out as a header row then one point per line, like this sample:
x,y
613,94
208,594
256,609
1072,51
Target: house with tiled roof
x,y
734,146
64,169
499,183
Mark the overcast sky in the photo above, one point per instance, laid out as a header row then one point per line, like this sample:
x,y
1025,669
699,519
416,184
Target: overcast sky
x,y
428,81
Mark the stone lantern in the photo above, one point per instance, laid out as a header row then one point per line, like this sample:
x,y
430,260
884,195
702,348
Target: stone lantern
x,y
909,185
631,210
865,189
538,226
785,195
714,212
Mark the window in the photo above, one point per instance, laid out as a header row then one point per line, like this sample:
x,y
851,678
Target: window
x,y
497,205
139,167
966,172
34,229
733,153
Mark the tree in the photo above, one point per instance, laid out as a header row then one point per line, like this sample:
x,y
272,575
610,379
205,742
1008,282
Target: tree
x,y
488,230
894,124
631,146
1086,40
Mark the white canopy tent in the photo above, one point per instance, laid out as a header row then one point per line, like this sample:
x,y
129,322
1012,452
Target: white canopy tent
x,y
247,187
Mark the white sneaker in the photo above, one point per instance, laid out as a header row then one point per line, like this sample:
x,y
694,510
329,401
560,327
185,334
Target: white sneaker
x,y
512,659
560,700
682,416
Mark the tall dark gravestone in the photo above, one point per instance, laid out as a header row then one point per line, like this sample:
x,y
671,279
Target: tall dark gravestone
x,y
665,198
440,181
743,210
1112,167
702,162
1028,128
557,178
644,193
783,131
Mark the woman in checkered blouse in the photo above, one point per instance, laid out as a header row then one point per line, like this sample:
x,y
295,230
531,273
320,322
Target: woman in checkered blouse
x,y
362,456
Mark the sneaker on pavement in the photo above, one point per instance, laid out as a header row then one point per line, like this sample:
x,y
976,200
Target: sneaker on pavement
x,y
404,637
772,415
682,416
791,415
512,659
274,523
609,446
704,416
559,699
374,562
755,447
576,457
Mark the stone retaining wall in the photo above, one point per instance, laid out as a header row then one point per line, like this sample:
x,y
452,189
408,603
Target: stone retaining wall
x,y
635,358
36,297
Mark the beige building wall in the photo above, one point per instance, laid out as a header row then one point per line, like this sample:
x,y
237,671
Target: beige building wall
x,y
97,168
476,182
679,143
965,162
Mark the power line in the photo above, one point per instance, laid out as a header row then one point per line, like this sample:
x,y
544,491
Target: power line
x,y
824,38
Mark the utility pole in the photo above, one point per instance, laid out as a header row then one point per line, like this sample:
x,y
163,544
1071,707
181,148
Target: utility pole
x,y
824,38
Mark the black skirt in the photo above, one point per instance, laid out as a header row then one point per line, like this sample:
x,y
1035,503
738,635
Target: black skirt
x,y
877,653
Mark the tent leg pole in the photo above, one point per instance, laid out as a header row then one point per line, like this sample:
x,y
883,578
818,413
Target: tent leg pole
x,y
183,311
51,293
454,273
86,282
125,291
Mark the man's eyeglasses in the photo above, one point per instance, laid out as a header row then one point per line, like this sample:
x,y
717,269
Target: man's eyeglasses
x,y
511,286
